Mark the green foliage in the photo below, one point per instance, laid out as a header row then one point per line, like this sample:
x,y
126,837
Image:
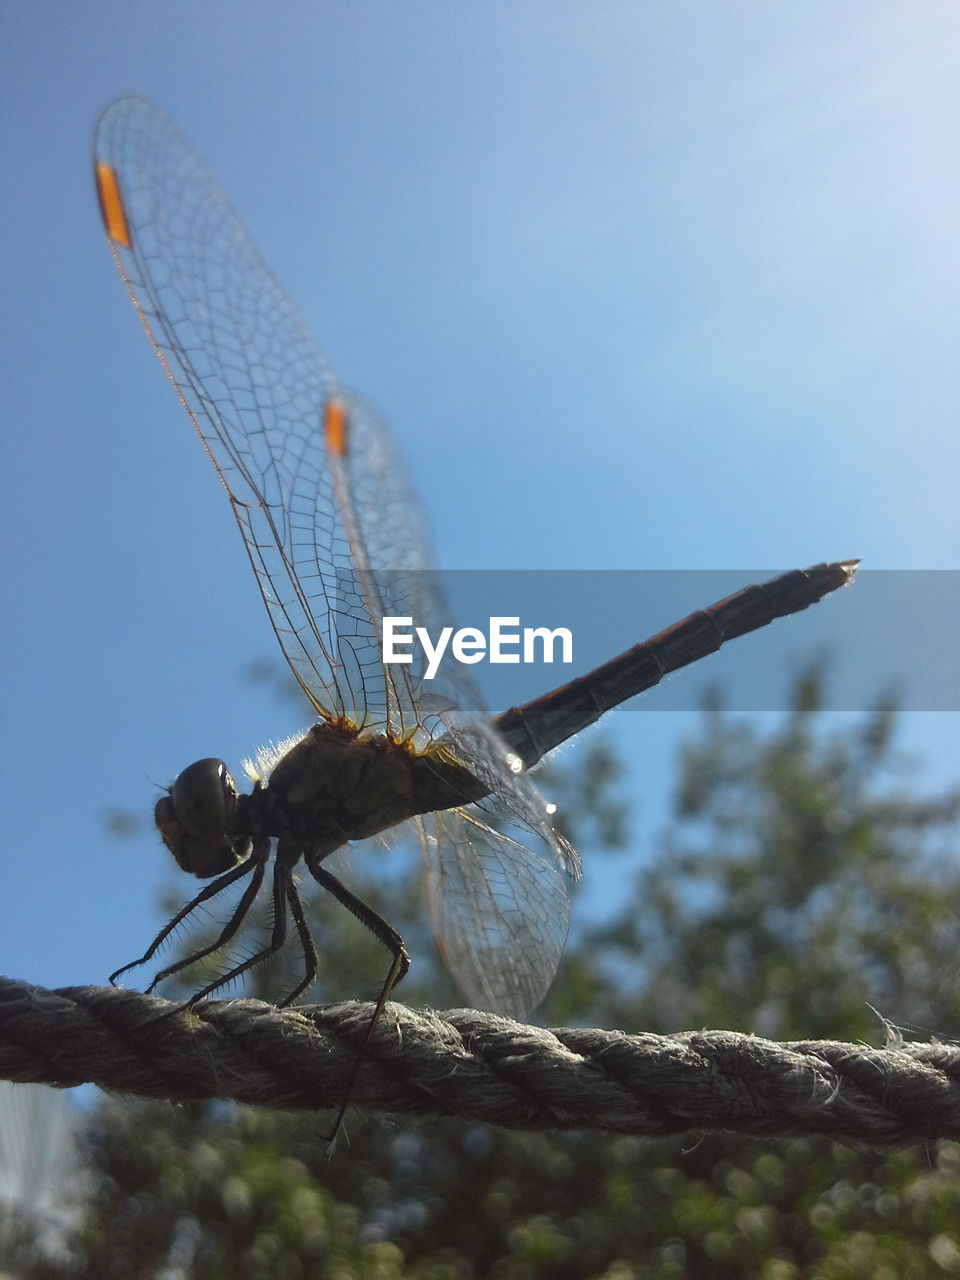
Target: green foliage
x,y
800,883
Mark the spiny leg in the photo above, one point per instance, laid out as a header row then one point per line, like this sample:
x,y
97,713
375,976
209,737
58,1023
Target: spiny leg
x,y
229,929
281,876
306,942
398,969
211,890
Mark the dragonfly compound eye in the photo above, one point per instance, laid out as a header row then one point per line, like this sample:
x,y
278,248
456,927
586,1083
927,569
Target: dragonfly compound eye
x,y
193,819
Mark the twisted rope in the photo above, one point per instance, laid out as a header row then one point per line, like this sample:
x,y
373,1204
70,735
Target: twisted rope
x,y
479,1067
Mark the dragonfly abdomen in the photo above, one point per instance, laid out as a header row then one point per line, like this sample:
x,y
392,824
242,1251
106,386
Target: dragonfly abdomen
x,y
535,728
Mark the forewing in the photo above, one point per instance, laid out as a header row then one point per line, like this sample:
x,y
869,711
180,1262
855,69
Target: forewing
x,y
499,910
256,386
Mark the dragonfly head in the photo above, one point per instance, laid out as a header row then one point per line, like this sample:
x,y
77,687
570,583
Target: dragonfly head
x,y
195,817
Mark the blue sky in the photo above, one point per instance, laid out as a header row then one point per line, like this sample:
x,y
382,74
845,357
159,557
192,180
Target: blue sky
x,y
637,285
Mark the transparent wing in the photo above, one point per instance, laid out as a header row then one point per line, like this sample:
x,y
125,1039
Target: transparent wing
x,y
391,561
256,386
499,910
390,554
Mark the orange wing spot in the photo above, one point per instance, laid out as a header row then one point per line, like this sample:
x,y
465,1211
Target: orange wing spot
x,y
335,426
111,205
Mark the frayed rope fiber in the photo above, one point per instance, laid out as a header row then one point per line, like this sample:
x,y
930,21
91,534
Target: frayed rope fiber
x,y
479,1067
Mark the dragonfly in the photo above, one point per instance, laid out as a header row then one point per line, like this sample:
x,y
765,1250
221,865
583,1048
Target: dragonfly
x,y
337,542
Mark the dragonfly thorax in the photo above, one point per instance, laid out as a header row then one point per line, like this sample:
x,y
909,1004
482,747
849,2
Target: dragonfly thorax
x,y
338,784
334,785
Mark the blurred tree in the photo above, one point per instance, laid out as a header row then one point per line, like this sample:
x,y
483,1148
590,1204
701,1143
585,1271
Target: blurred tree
x,y
799,880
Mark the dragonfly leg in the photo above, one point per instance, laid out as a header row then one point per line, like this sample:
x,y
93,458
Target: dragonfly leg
x,y
311,963
386,934
282,879
229,929
211,890
369,918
